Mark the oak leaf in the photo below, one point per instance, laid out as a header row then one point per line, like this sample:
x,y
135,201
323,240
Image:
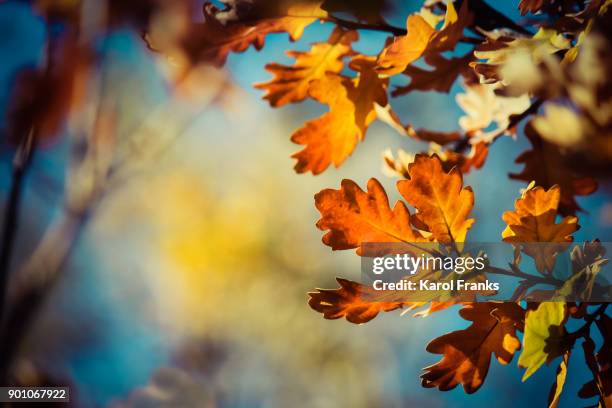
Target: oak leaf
x,y
402,51
291,83
545,336
449,35
467,353
422,37
360,303
350,301
352,108
354,216
534,220
42,100
212,40
332,137
442,203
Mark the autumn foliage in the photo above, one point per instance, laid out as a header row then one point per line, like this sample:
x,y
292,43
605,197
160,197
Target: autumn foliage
x,y
545,78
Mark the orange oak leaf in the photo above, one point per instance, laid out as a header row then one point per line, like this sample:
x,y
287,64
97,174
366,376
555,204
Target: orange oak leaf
x,y
402,51
421,37
369,90
349,301
333,137
449,35
360,303
291,83
534,221
545,165
442,203
212,40
467,353
352,216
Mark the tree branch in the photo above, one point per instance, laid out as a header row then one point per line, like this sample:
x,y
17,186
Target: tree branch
x,y
21,162
384,27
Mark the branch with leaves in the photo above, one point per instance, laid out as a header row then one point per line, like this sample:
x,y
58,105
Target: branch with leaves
x,y
549,72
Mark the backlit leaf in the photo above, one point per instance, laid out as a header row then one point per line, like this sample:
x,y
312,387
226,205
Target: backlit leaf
x,y
331,138
402,51
534,220
467,353
557,387
349,301
545,336
352,216
291,83
443,204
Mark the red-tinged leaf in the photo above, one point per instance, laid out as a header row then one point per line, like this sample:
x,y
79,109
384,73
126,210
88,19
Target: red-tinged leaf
x,y
467,353
443,204
212,40
352,216
351,301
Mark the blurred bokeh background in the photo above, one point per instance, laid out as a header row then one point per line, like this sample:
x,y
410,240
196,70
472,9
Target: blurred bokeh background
x,y
187,284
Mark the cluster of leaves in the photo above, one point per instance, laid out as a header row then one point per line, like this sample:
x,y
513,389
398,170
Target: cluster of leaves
x,y
550,70
509,72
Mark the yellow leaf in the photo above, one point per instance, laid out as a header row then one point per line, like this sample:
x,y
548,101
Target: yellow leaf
x,y
291,83
557,388
544,337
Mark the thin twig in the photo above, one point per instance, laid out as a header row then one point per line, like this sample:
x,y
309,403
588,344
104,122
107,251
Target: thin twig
x,y
384,27
547,280
585,329
21,162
